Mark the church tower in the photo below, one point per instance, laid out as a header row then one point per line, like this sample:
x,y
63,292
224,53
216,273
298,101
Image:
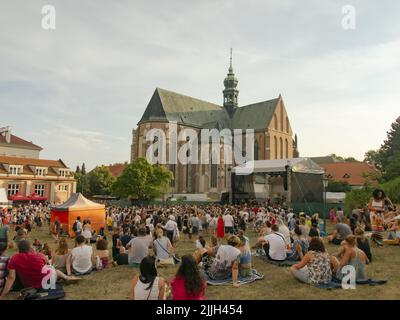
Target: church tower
x,y
230,92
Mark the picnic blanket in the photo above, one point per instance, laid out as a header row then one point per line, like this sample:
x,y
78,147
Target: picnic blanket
x,y
286,263
255,275
336,284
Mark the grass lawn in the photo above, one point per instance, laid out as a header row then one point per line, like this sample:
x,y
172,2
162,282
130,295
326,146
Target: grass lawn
x,y
114,283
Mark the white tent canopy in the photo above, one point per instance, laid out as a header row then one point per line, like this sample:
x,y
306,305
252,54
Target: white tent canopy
x,y
300,165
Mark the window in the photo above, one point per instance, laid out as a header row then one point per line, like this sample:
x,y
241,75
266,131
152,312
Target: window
x,y
62,187
39,189
13,188
40,171
172,168
275,122
281,147
256,150
287,148
214,173
15,170
282,118
63,173
276,147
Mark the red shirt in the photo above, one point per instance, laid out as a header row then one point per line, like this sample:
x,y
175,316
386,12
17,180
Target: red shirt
x,y
28,266
179,291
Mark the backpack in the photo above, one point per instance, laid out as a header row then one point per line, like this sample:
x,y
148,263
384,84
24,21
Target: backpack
x,y
75,226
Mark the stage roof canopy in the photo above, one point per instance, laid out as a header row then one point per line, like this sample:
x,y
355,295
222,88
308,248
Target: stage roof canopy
x,y
299,165
78,202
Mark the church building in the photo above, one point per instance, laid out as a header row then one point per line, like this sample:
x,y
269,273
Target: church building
x,y
273,135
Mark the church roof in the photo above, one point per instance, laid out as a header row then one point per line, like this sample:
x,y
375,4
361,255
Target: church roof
x,y
171,106
254,116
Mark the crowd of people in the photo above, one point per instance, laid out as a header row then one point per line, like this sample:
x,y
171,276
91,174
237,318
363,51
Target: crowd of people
x,y
147,237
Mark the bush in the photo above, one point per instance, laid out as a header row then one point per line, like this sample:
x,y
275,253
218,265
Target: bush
x,y
338,186
392,190
357,198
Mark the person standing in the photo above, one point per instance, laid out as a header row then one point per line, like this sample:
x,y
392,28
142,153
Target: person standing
x,y
376,207
228,223
220,227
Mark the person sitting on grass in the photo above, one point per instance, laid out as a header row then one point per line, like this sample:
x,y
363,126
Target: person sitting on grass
x,y
245,266
214,246
80,260
201,254
299,246
25,269
349,254
226,262
47,251
363,243
162,247
320,265
274,245
101,254
148,285
138,248
340,233
188,283
60,256
4,259
394,233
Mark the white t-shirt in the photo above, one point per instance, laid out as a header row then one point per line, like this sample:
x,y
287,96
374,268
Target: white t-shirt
x,y
277,246
286,233
228,220
82,258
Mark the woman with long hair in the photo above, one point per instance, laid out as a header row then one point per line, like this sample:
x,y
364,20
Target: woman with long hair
x,y
148,285
188,283
376,208
59,260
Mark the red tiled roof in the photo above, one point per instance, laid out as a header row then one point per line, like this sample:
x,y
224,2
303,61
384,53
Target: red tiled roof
x,y
352,172
32,162
116,169
19,142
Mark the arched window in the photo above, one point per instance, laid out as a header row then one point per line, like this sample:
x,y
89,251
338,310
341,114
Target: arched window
x,y
287,148
276,148
282,129
172,168
214,173
275,122
256,150
281,147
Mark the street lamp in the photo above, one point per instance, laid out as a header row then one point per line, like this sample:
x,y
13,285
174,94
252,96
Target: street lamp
x,y
325,182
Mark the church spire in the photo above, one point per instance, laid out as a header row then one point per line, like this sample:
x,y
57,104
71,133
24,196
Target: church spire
x,y
230,92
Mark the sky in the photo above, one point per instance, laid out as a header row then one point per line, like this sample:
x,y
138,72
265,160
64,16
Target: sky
x,y
80,89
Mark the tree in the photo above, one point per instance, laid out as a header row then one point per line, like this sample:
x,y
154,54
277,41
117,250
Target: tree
x,y
142,181
338,186
389,153
342,159
100,181
83,170
78,170
372,157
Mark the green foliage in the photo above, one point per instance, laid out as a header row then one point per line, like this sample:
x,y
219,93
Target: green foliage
x,y
389,153
357,198
392,190
142,181
372,157
100,181
342,159
338,186
82,185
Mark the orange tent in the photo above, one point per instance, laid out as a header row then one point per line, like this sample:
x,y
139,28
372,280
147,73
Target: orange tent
x,y
78,206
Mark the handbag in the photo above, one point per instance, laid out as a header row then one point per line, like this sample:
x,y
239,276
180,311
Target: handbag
x,y
167,261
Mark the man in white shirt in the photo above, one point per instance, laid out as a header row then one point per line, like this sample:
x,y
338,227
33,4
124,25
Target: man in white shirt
x,y
171,228
274,245
228,223
80,261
